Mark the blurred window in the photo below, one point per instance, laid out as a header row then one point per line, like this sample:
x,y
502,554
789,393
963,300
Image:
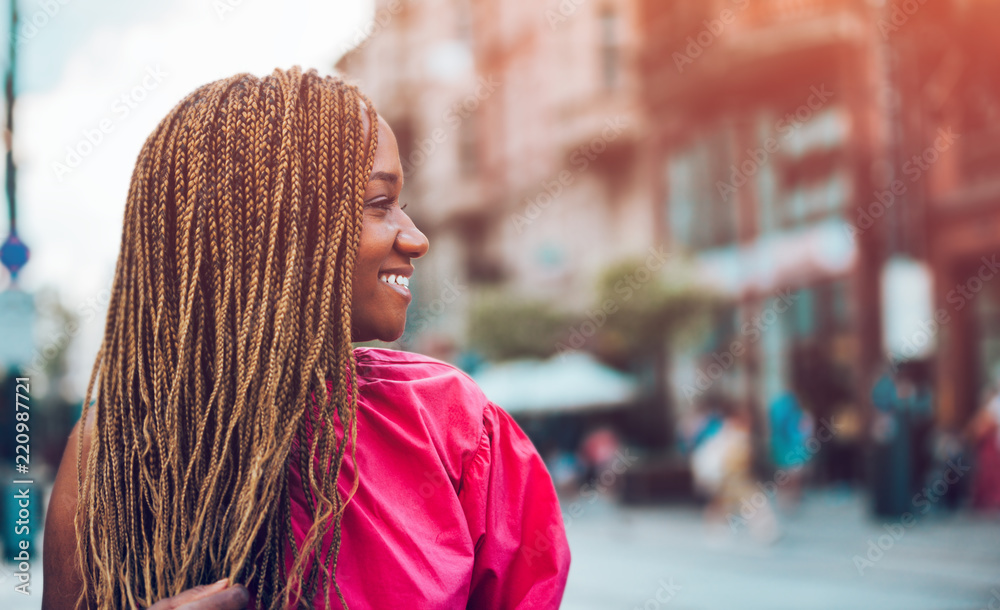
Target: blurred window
x,y
468,146
766,180
700,216
403,129
801,319
680,200
986,307
610,49
820,310
463,21
826,130
840,305
481,264
818,200
812,184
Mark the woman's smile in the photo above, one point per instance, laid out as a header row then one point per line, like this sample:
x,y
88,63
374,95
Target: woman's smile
x,y
399,281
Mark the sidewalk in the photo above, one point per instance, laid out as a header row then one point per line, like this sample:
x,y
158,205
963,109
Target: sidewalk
x,y
651,558
648,558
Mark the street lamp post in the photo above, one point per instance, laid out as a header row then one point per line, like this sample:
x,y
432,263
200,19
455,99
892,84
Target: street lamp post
x,y
13,253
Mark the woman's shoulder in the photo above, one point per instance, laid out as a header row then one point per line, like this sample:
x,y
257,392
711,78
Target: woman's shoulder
x,y
426,396
419,376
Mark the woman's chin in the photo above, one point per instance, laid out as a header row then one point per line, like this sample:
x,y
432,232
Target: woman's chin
x,y
393,336
383,335
387,333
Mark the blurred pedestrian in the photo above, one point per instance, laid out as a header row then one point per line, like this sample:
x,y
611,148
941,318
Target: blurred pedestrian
x,y
902,403
947,449
984,434
790,428
598,452
722,468
565,469
697,426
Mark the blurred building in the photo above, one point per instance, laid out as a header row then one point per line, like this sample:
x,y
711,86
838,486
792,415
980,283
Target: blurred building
x,y
949,74
796,149
768,120
518,124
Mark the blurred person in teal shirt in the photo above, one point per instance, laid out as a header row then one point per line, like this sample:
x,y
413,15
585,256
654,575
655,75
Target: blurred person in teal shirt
x,y
790,428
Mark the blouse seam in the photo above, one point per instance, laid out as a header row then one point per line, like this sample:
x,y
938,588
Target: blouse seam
x,y
479,448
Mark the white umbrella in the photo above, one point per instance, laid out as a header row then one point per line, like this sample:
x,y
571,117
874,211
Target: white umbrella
x,y
572,381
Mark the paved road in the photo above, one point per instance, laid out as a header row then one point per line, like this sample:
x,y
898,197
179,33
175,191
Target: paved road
x,y
640,558
628,558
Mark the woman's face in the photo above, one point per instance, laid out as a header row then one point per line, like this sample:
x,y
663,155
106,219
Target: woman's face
x,y
389,240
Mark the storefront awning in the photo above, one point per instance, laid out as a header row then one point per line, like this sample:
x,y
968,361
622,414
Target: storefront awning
x,y
572,381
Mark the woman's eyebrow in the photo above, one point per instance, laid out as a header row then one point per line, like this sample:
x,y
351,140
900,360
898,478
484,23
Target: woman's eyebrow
x,y
384,176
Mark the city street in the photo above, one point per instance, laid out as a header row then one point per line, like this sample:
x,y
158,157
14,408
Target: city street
x,y
648,558
674,245
625,558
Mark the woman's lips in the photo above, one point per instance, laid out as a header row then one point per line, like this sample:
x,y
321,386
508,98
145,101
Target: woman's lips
x,y
401,290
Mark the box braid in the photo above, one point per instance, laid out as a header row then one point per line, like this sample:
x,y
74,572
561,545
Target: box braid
x,y
229,313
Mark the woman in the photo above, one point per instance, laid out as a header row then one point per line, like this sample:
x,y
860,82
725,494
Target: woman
x,y
263,235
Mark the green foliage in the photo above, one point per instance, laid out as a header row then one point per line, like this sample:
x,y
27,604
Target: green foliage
x,y
652,307
502,327
636,312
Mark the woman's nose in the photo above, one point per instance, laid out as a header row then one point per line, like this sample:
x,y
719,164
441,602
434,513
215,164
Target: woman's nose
x,y
410,240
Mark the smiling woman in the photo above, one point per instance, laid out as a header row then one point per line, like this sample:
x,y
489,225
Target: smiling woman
x,y
388,241
262,236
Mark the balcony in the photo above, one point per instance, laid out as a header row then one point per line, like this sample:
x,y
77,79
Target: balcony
x,y
968,179
764,13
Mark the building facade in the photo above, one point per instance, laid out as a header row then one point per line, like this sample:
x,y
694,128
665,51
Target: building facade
x,y
768,119
519,127
952,100
794,149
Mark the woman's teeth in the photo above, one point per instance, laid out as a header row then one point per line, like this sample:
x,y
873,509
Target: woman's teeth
x,y
400,280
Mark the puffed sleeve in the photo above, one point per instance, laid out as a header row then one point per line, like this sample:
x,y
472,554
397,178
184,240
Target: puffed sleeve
x,y
522,556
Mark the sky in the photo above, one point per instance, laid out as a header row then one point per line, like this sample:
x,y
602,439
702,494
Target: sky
x,y
95,77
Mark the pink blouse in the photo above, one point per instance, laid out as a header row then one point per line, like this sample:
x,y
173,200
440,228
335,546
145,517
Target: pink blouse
x,y
455,508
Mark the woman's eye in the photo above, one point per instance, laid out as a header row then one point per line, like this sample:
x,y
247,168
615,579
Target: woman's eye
x,y
381,204
384,204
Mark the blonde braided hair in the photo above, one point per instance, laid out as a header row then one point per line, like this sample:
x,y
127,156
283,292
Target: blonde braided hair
x,y
230,310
